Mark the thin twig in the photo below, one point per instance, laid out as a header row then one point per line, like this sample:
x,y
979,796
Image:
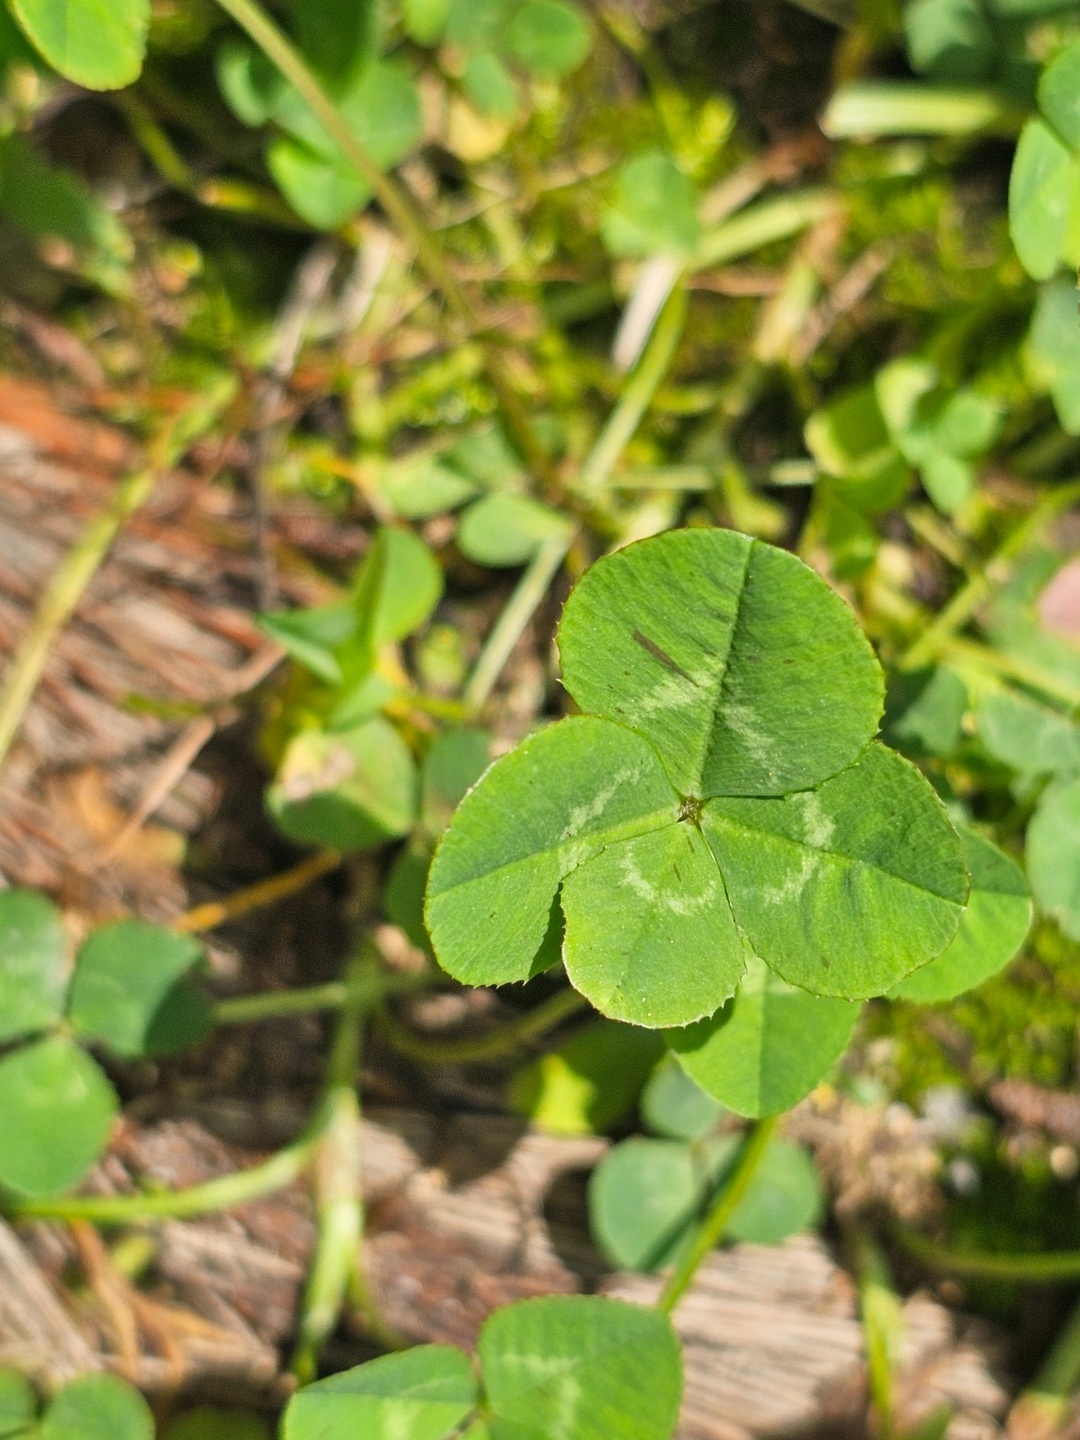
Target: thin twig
x,y
263,892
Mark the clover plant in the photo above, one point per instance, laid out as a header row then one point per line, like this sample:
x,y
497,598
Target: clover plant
x,y
132,991
91,1407
726,851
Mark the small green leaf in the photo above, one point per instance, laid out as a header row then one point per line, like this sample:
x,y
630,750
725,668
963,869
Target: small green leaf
x,y
832,896
96,43
949,39
577,1367
490,86
350,789
643,1198
33,963
768,1047
312,637
851,442
18,1404
209,1423
548,37
1039,190
452,767
504,529
729,655
421,1394
56,1112
420,486
783,1198
1026,736
654,209
1059,94
403,893
410,586
251,85
1053,855
478,24
133,990
425,20
1053,350
337,37
98,1407
924,711
323,190
676,1106
994,926
561,797
589,1082
650,937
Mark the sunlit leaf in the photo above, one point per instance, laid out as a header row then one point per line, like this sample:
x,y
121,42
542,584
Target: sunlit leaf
x,y
1053,855
56,1112
587,1083
98,1407
548,37
653,210
96,43
133,990
33,963
578,1367
992,930
420,1394
1039,192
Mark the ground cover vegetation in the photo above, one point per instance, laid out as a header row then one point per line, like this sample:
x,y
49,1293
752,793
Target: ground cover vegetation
x,y
725,359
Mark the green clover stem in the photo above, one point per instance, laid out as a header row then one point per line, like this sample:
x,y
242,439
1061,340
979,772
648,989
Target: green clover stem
x,y
711,1230
278,1004
1044,1269
505,1041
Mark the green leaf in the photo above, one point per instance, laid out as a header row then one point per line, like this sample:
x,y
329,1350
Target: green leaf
x,y
507,529
251,84
851,442
33,963
98,1407
783,1198
18,1404
768,1047
548,37
830,893
654,209
650,937
311,637
382,110
410,586
1039,192
729,655
576,1367
1059,94
421,1394
478,24
96,43
949,39
56,1112
452,767
1053,350
644,1196
207,1422
323,190
349,789
676,1106
1026,736
589,1082
1053,855
337,37
133,990
560,798
425,20
420,486
490,86
993,928
924,711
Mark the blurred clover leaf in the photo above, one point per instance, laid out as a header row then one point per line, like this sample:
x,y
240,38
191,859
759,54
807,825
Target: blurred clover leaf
x,y
96,43
1043,218
132,990
725,796
565,1367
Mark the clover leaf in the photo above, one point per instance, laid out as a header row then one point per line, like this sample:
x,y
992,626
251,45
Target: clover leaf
x,y
723,797
132,989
